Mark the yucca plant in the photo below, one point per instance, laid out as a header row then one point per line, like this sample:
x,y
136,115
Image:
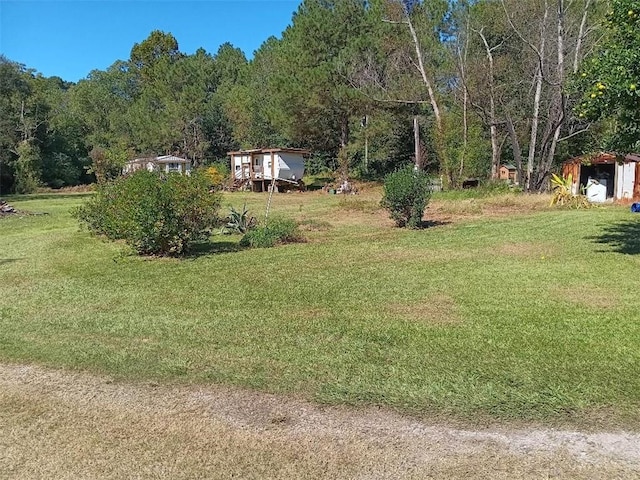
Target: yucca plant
x,y
562,194
239,221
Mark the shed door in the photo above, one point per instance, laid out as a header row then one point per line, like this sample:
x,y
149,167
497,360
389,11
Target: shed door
x,y
628,180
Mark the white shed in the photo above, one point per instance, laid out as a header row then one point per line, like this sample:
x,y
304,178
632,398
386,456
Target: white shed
x,y
164,163
258,168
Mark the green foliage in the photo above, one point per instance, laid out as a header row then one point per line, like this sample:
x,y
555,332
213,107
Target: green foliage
x,y
157,47
406,195
278,231
496,187
155,214
239,221
40,142
216,176
562,195
27,168
610,79
106,164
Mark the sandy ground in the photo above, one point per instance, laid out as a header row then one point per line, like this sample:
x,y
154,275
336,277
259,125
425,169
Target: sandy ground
x,y
62,425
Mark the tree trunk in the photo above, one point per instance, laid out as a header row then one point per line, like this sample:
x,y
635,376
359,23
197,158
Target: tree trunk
x,y
581,35
535,118
515,146
416,141
439,140
462,56
493,129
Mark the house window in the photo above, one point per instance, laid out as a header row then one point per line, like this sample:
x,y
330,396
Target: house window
x,y
237,167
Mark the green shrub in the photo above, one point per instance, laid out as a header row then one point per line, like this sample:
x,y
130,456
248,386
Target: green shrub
x,y
278,231
406,195
155,214
497,187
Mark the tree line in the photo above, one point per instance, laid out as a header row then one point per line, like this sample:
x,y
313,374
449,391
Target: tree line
x,y
457,87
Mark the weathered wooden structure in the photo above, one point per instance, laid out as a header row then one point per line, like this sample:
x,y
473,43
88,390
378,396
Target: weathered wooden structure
x,y
619,174
260,168
509,173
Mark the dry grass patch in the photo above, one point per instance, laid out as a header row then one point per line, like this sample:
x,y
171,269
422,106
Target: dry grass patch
x,y
590,296
516,202
352,203
524,249
452,209
412,256
491,206
70,425
311,313
439,309
349,218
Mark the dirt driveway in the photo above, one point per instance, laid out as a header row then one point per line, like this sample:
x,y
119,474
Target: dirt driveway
x,y
61,425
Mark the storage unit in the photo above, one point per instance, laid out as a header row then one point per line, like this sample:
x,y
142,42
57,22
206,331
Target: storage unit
x,y
508,172
619,175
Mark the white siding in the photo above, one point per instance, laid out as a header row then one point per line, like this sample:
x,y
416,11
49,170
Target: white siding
x,y
289,166
240,161
267,165
625,180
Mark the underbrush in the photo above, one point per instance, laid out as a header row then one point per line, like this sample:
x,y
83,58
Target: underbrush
x,y
91,187
352,203
503,203
278,231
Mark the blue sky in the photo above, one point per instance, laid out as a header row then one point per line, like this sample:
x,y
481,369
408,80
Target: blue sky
x,y
71,38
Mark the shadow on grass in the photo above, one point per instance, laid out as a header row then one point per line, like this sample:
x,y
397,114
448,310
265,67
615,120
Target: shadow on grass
x,y
622,237
318,183
45,196
431,223
202,249
4,261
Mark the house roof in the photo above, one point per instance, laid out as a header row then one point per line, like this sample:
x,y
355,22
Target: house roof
x,y
509,166
171,159
301,151
160,159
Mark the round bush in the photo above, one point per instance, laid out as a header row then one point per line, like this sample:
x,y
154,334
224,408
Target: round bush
x,y
155,214
406,195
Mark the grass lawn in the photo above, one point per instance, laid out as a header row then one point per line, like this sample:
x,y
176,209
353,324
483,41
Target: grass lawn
x,y
504,310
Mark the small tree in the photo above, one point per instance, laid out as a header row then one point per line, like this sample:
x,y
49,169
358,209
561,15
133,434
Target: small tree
x,y
406,195
27,168
155,214
106,164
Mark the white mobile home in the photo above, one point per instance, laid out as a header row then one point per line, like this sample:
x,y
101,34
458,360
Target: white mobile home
x,y
164,163
259,168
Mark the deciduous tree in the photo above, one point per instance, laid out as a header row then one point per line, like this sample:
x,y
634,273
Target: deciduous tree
x,y
610,79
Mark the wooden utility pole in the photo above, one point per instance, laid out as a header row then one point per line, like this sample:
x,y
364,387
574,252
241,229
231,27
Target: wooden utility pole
x,y
416,140
364,124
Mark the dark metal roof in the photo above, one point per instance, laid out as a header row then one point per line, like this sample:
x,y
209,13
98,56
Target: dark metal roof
x,y
604,158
